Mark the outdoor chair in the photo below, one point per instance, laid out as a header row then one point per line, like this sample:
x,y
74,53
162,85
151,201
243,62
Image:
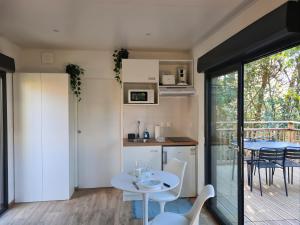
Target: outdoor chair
x,y
292,154
268,159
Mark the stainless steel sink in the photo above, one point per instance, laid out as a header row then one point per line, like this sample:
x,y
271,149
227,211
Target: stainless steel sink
x,y
140,140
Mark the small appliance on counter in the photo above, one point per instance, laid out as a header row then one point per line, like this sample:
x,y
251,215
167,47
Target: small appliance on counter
x,y
131,136
157,134
157,131
182,76
146,134
168,79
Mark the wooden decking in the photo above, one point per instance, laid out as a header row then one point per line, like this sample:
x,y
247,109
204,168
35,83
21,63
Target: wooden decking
x,y
274,207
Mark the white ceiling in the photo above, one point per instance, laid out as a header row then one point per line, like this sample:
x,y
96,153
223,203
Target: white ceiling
x,y
108,24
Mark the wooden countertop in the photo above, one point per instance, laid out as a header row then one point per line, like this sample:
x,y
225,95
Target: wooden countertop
x,y
153,142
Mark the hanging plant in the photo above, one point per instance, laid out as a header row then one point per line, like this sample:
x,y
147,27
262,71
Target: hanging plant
x,y
118,56
75,72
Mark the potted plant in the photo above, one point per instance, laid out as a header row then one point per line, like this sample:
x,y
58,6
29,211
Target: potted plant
x,y
118,56
75,72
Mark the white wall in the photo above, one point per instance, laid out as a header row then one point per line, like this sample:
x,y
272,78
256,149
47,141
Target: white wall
x,y
180,112
253,12
10,49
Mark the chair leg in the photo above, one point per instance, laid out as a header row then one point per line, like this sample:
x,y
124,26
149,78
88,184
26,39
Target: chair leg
x,y
162,206
251,177
266,176
259,181
289,174
233,165
292,179
284,178
248,174
270,176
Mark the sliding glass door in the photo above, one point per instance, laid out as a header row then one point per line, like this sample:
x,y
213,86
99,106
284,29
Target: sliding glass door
x,y
3,152
224,117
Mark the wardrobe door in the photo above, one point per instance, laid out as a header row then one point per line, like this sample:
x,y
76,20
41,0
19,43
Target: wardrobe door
x,y
55,136
27,137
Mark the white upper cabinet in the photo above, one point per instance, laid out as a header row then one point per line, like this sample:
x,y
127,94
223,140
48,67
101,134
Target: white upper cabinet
x,y
140,70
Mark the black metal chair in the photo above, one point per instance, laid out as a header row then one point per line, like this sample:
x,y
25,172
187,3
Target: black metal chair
x,y
291,155
268,159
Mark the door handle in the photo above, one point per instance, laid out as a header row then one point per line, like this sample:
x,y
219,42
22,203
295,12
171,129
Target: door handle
x,y
165,157
79,131
151,78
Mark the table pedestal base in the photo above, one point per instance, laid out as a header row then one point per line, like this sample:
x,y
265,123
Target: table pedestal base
x,y
145,208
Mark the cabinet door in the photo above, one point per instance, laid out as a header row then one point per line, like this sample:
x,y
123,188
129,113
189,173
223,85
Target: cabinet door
x,y
187,154
55,136
27,137
140,70
149,155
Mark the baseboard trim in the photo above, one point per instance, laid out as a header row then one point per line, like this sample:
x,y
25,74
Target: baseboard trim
x,y
11,204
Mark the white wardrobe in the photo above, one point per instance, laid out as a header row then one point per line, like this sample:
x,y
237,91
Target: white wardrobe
x,y
44,137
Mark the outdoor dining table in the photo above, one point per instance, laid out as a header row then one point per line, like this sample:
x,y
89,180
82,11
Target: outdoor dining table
x,y
255,146
125,181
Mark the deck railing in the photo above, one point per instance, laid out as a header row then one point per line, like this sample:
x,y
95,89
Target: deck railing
x,y
264,130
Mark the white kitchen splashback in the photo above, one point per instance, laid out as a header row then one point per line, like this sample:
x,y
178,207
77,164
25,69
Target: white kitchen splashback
x,y
176,115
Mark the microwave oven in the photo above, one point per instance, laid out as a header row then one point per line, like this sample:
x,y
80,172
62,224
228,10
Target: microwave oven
x,y
140,96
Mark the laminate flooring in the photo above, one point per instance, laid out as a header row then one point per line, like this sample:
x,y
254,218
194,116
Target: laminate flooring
x,y
102,206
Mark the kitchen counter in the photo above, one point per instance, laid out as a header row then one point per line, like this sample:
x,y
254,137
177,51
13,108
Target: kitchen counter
x,y
153,142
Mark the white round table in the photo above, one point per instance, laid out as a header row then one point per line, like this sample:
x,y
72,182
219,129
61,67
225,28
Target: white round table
x,y
123,181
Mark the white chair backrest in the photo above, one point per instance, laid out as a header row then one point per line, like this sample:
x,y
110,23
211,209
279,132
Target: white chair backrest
x,y
207,192
177,167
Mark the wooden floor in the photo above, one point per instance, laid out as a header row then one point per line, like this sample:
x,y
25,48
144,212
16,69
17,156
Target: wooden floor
x,y
87,207
273,207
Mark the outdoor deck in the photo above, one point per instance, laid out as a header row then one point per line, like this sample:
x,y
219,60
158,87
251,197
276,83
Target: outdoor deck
x,y
273,207
270,209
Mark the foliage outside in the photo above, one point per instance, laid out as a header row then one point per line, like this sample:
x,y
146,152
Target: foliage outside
x,y
271,89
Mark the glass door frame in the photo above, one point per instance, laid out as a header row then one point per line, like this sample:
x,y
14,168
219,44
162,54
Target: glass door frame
x,y
240,134
5,154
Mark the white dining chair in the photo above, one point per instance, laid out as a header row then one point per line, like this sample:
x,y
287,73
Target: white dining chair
x,y
190,218
176,167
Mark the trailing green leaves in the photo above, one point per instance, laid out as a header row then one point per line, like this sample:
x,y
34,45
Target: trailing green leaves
x,y
118,56
75,73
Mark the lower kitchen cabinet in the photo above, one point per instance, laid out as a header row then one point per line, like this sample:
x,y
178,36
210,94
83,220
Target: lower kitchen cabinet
x,y
187,154
151,156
